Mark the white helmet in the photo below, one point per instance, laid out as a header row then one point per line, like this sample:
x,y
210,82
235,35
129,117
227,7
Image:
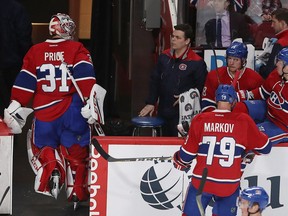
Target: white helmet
x,y
62,25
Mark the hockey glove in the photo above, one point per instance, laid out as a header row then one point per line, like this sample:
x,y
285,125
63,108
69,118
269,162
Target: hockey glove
x,y
179,164
15,116
183,128
244,95
248,157
86,112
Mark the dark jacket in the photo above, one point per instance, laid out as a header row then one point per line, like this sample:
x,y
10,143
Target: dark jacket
x,y
173,76
279,45
15,33
238,28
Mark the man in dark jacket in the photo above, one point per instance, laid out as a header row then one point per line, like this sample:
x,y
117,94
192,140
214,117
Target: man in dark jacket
x,y
227,26
178,70
280,25
15,40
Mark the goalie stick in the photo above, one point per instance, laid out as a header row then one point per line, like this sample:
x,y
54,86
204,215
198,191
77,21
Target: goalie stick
x,y
4,195
200,190
97,125
109,158
215,60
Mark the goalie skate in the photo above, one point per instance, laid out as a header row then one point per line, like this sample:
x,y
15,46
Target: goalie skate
x,y
54,183
75,202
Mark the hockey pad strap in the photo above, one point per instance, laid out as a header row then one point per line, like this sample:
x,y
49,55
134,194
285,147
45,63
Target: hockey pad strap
x,y
179,164
15,116
86,112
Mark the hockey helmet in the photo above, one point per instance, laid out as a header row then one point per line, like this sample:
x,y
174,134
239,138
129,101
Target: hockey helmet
x,y
62,25
283,56
255,195
226,93
238,50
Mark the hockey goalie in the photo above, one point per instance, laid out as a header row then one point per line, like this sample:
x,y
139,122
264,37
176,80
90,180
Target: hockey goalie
x,y
58,77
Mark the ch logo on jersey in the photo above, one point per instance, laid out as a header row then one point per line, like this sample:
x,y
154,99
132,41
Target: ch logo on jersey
x,y
182,67
278,101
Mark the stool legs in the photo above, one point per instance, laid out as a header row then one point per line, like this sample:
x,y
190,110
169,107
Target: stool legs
x,y
136,131
156,131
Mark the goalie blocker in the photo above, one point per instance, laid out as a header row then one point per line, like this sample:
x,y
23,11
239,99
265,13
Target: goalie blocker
x,y
15,116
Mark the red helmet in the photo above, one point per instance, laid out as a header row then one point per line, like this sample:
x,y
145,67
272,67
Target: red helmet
x,y
62,25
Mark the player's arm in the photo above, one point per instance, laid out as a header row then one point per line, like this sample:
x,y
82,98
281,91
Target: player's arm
x,y
188,151
208,102
257,140
262,92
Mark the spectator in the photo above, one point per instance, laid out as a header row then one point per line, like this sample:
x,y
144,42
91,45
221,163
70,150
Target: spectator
x,y
273,93
218,140
240,6
15,39
268,7
280,26
252,201
265,28
178,69
60,131
245,78
227,26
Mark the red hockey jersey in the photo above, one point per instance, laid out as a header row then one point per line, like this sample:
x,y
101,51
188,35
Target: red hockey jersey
x,y
275,90
218,140
248,80
44,76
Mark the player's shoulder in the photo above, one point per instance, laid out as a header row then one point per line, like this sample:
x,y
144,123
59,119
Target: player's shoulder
x,y
215,73
193,56
249,70
241,116
202,116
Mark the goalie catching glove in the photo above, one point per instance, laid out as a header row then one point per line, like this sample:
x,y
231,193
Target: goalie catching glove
x,y
180,164
15,116
93,110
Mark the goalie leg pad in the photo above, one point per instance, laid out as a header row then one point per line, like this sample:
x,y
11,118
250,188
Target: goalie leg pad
x,y
77,159
43,162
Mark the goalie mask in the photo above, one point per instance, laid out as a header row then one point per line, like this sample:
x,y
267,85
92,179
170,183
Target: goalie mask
x,y
62,25
255,195
226,93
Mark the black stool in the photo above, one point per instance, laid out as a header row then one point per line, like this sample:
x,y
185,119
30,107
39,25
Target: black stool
x,y
155,123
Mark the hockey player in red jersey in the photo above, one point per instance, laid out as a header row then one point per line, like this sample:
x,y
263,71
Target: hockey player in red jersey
x,y
252,201
234,73
58,148
218,141
275,92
